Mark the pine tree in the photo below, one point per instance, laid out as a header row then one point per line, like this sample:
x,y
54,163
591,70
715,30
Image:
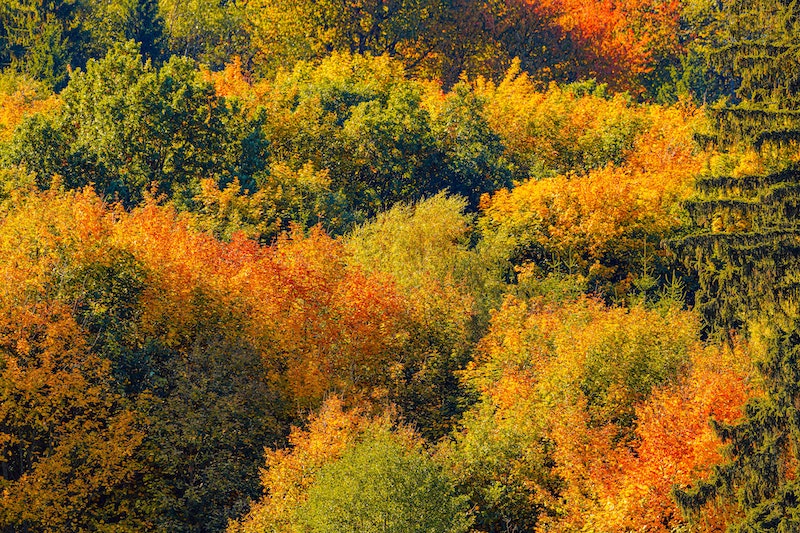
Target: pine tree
x,y
747,254
755,42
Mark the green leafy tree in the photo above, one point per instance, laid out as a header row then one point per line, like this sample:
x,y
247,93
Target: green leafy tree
x,y
126,125
474,160
427,248
381,486
502,460
45,38
746,252
379,134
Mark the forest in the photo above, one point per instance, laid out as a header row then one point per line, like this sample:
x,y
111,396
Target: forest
x,y
399,266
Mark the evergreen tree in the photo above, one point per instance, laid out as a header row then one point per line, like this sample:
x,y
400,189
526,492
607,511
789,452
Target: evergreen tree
x,y
43,38
747,255
146,27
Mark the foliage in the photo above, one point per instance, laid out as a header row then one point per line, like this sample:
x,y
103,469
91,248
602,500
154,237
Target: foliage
x,y
572,430
187,462
608,224
389,489
125,125
68,440
333,433
675,444
42,38
284,197
208,31
621,42
214,346
379,134
290,472
426,248
414,261
617,42
576,128
501,460
45,40
754,44
20,97
286,32
744,249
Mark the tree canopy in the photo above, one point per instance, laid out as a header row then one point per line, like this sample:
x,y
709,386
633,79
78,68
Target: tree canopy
x,y
398,265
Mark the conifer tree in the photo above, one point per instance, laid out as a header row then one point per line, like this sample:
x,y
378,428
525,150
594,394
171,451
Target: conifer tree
x,y
43,38
146,27
747,254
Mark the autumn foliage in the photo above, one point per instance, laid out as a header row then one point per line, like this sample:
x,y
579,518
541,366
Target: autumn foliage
x,y
606,210
378,265
605,411
134,295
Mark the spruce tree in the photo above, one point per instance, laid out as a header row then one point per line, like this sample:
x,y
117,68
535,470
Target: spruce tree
x,y
746,251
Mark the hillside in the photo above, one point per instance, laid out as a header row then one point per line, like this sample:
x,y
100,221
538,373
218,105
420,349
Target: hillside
x,y
399,266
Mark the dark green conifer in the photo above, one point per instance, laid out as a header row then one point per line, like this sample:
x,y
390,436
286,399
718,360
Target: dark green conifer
x,y
747,254
146,27
44,38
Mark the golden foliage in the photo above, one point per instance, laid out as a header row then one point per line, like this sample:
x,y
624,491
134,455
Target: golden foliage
x,y
623,396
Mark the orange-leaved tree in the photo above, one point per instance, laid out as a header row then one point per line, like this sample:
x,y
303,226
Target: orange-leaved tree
x,y
204,351
577,403
606,217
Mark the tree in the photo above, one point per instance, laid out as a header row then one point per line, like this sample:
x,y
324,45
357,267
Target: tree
x,y
43,38
676,444
381,486
349,471
131,395
473,154
382,136
146,26
287,31
208,31
448,286
126,125
21,96
561,382
484,38
746,250
68,440
285,198
290,471
625,171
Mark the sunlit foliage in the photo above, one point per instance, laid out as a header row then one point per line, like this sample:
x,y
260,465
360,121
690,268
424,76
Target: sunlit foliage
x,y
607,216
578,405
398,265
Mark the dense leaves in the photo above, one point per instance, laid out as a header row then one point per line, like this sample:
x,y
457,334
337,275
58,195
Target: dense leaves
x,y
745,249
572,430
125,125
626,170
397,265
390,489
